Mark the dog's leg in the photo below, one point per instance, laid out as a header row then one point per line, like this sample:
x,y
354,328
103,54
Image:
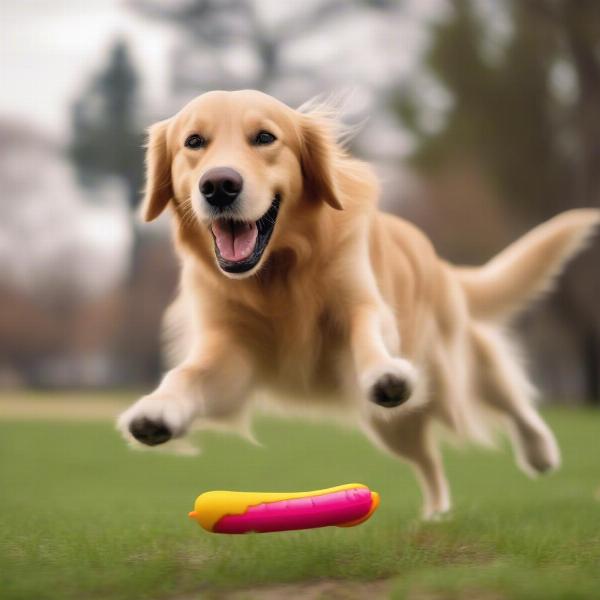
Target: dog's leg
x,y
211,383
505,387
410,438
386,380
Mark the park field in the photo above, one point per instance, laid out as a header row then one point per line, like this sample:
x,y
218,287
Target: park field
x,y
84,517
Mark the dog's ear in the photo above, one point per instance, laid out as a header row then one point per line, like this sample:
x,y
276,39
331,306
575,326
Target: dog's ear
x,y
318,156
159,188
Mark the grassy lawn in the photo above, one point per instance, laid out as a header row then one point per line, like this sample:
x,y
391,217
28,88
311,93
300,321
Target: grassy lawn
x,y
82,516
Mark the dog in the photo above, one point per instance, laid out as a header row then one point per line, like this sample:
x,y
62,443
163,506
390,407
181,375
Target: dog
x,y
294,283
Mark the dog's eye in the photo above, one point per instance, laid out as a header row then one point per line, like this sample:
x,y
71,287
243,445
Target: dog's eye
x,y
195,141
264,138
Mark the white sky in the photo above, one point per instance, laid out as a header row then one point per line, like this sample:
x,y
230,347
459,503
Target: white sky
x,y
48,48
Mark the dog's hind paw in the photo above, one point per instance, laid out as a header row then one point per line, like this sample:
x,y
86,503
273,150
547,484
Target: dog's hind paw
x,y
437,516
540,453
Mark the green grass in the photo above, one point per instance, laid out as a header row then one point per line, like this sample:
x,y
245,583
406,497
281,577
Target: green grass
x,y
82,516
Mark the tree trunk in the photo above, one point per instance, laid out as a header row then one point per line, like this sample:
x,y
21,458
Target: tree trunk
x,y
591,365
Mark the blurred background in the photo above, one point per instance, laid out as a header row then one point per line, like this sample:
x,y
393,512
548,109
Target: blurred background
x,y
482,118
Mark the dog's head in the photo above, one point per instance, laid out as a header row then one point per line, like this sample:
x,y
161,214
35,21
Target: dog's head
x,y
237,168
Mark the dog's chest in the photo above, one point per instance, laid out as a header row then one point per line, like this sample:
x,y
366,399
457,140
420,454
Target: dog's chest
x,y
300,354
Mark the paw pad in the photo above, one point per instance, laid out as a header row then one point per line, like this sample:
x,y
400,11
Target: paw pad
x,y
390,391
150,432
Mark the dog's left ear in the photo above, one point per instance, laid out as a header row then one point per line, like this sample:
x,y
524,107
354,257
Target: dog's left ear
x,y
318,156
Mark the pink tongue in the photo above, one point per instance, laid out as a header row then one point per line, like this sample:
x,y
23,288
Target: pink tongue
x,y
235,242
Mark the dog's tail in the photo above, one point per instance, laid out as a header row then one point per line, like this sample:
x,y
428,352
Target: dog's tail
x,y
528,267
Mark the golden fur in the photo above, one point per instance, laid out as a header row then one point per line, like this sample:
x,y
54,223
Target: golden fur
x,y
347,304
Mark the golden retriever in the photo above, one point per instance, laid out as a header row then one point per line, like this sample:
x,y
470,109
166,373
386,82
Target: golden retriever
x,y
293,282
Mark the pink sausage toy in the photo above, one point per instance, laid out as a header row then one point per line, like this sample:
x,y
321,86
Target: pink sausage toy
x,y
243,512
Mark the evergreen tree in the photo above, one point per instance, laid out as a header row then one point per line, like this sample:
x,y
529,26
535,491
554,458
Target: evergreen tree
x,y
108,141
106,137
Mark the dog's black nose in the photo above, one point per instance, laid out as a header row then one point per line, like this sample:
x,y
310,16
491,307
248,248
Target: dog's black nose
x,y
150,432
221,186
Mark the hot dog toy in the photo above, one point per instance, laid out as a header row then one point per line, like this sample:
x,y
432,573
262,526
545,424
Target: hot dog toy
x,y
243,512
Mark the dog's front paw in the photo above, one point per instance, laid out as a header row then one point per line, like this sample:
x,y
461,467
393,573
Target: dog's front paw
x,y
155,419
150,432
390,385
390,390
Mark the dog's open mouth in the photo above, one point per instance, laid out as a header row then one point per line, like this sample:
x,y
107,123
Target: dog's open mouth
x,y
239,245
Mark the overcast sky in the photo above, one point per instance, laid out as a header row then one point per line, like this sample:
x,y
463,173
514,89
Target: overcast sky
x,y
48,49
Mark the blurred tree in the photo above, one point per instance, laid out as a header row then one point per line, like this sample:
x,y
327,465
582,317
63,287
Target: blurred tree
x,y
216,34
525,113
108,140
106,136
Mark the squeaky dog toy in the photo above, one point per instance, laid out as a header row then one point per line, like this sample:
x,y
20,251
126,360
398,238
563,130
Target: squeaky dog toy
x,y
261,512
